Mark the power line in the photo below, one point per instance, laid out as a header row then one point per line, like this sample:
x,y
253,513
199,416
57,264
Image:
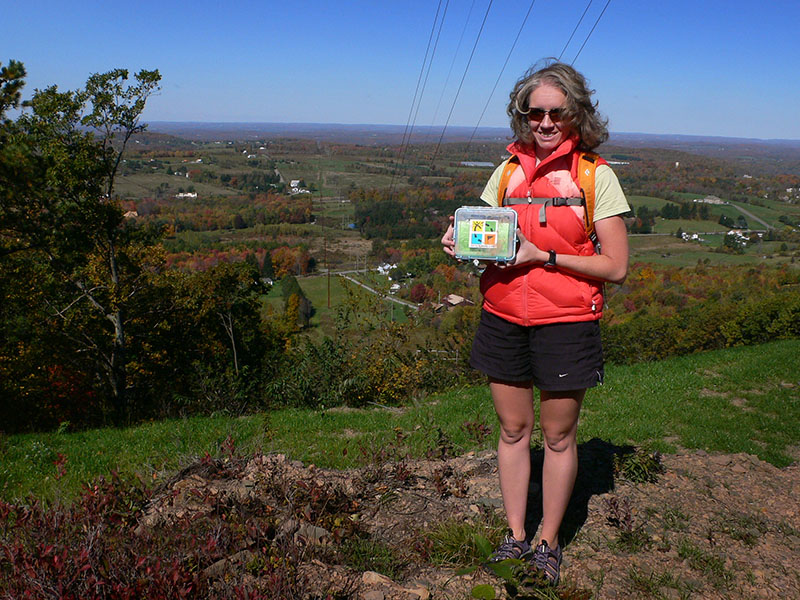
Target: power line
x,y
452,64
425,83
585,10
416,91
590,33
497,81
455,99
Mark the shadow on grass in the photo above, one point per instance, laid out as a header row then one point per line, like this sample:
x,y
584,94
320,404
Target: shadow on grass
x,y
595,476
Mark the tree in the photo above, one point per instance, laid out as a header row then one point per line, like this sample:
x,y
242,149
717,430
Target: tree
x,y
297,307
60,224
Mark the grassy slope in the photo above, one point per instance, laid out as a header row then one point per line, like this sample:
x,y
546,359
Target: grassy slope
x,y
738,400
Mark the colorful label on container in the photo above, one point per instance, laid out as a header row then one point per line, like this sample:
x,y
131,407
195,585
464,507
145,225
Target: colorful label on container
x,y
483,233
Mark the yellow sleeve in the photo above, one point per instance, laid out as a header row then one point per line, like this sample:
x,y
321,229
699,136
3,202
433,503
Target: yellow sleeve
x,y
609,198
489,193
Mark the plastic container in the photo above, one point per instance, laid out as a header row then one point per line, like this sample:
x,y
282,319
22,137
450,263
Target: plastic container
x,y
485,233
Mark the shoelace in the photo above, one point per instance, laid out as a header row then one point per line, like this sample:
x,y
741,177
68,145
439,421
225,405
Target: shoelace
x,y
510,548
541,558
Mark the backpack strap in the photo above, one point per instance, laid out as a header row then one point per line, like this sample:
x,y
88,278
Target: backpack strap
x,y
587,165
511,166
545,202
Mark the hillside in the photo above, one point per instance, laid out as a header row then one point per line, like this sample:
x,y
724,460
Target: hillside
x,y
390,502
693,533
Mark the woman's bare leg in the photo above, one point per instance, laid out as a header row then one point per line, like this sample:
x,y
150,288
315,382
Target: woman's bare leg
x,y
513,403
559,422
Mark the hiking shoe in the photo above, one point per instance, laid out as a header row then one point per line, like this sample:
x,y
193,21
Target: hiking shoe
x,y
548,561
510,548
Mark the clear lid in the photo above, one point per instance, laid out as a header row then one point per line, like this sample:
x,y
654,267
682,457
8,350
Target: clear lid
x,y
485,233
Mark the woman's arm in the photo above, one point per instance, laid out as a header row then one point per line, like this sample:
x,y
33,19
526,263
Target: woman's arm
x,y
611,265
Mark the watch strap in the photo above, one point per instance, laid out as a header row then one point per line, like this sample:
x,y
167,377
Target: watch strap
x,y
551,260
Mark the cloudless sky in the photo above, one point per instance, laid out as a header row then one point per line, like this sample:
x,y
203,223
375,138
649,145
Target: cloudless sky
x,y
681,67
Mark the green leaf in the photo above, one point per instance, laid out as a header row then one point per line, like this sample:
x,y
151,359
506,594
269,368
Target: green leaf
x,y
484,591
505,568
484,545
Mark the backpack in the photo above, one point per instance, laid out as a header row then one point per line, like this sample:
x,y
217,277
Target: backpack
x,y
587,165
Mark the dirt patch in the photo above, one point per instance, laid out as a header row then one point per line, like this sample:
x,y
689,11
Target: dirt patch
x,y
712,526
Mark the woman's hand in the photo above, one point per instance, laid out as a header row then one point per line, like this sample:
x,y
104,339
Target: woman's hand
x,y
527,252
448,241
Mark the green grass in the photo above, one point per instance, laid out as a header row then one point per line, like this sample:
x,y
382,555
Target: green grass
x,y
455,542
651,202
743,399
709,564
667,250
765,213
142,185
151,450
316,290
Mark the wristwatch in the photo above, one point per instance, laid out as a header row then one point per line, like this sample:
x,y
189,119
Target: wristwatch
x,y
551,261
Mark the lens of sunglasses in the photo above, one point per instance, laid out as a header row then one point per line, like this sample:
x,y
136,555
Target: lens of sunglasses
x,y
537,114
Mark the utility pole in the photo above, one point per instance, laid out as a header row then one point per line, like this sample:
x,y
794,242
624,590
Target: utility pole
x,y
327,267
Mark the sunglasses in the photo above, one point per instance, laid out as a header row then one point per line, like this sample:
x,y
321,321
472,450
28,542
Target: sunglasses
x,y
537,114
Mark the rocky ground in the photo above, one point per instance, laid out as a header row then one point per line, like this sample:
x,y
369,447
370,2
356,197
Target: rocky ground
x,y
711,526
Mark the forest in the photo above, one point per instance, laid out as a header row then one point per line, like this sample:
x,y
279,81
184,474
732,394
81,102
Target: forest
x,y
144,276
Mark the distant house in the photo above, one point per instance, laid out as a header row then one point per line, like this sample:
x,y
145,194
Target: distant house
x,y
295,187
691,237
476,163
186,195
452,300
710,200
385,268
131,214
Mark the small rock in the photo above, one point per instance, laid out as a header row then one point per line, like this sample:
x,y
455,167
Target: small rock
x,y
737,468
720,459
669,593
288,527
694,583
311,534
417,593
474,508
373,595
373,578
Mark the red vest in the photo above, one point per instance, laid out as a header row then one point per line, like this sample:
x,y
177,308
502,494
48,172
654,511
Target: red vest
x,y
532,294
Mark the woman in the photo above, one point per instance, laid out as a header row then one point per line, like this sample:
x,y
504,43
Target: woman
x,y
539,323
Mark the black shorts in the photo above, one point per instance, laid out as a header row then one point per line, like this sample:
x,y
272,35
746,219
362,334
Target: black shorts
x,y
555,357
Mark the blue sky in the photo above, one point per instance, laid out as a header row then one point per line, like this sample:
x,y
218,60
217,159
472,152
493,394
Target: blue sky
x,y
683,67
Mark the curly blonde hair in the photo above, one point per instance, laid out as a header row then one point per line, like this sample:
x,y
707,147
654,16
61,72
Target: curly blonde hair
x,y
580,113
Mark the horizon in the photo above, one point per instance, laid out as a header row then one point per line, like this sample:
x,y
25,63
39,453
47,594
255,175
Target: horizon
x,y
460,127
715,68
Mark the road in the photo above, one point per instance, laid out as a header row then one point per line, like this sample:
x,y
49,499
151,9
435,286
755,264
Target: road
x,y
750,215
377,293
